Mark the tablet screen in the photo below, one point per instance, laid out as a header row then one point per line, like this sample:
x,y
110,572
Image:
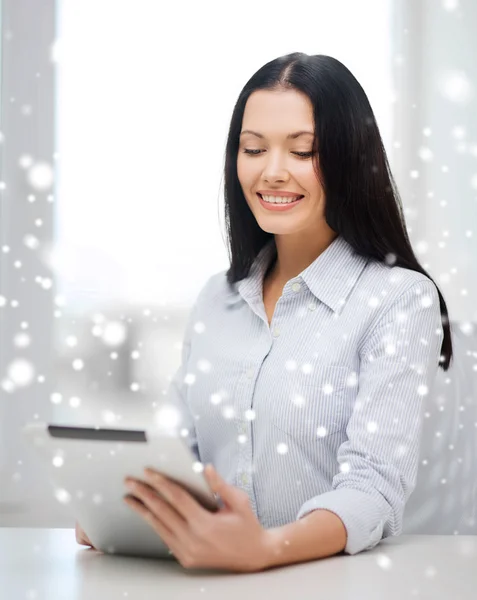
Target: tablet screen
x,y
93,433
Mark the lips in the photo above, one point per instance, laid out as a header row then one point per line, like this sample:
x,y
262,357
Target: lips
x,y
299,197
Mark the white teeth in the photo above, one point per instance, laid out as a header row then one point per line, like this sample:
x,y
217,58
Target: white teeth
x,y
279,199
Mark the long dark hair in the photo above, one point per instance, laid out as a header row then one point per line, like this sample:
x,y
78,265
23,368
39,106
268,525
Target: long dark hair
x,y
362,201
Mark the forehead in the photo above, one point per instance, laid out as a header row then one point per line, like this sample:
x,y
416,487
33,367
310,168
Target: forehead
x,y
278,112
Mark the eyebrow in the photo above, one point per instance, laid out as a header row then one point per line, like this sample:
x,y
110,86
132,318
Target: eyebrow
x,y
290,136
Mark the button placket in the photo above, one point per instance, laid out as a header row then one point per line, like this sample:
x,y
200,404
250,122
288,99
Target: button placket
x,y
275,331
244,435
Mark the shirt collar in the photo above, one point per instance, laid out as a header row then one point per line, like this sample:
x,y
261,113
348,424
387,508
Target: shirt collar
x,y
330,277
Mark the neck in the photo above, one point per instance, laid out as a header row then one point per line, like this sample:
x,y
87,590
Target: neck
x,y
294,254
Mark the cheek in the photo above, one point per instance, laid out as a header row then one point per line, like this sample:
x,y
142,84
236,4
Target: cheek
x,y
245,172
312,183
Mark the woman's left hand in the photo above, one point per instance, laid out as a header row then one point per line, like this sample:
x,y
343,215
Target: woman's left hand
x,y
231,538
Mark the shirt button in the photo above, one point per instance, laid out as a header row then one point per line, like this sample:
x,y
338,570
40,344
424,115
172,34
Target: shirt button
x,y
296,287
244,478
276,332
312,306
250,373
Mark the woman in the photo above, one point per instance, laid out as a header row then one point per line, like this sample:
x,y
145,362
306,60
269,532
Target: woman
x,y
305,364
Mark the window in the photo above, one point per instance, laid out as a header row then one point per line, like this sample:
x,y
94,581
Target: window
x,y
143,104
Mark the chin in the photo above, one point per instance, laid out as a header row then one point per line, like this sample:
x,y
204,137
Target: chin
x,y
283,230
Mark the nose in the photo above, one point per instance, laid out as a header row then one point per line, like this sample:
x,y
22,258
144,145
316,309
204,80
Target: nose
x,y
274,169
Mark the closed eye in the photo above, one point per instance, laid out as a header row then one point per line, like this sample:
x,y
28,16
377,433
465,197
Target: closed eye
x,y
257,152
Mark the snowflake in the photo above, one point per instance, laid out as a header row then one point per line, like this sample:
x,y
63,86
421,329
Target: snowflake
x,y
228,412
250,414
197,467
456,87
199,327
373,302
204,365
215,398
450,5
56,398
22,340
298,400
425,154
21,372
40,176
31,242
62,496
114,333
384,561
426,301
189,379
167,417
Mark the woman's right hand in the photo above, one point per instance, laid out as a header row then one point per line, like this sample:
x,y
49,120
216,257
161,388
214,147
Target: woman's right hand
x,y
81,536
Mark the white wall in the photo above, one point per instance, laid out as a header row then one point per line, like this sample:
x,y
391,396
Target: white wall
x,y
26,298
436,126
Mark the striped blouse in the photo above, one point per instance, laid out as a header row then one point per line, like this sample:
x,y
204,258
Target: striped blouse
x,y
323,408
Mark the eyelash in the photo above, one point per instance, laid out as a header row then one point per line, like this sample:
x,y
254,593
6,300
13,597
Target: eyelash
x,y
300,154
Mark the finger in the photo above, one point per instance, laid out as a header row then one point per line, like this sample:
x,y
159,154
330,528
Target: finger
x,y
86,539
231,496
183,502
157,524
81,537
77,533
158,507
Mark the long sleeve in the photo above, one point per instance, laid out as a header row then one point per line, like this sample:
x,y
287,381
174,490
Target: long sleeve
x,y
378,462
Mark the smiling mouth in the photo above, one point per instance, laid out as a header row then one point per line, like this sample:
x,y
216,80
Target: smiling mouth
x,y
284,199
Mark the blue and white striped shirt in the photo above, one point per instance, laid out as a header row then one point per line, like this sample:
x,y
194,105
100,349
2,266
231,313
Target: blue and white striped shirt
x,y
323,408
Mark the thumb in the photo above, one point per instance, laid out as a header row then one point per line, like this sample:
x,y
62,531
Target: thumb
x,y
230,495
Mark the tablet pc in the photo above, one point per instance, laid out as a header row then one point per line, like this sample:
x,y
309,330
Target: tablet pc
x,y
87,467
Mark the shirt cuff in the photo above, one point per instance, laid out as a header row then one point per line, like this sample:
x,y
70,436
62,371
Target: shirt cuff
x,y
359,512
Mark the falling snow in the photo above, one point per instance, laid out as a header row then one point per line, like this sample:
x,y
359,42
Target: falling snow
x,y
40,176
429,170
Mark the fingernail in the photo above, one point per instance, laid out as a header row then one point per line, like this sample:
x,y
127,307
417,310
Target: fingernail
x,y
157,477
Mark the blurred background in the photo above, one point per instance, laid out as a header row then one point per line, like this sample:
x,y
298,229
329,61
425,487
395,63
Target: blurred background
x,y
113,123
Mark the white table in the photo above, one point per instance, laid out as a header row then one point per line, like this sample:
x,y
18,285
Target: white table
x,y
48,564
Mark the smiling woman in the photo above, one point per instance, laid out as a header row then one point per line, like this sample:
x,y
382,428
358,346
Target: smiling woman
x,y
323,335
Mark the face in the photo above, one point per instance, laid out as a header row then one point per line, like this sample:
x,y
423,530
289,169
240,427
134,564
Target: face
x,y
275,162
